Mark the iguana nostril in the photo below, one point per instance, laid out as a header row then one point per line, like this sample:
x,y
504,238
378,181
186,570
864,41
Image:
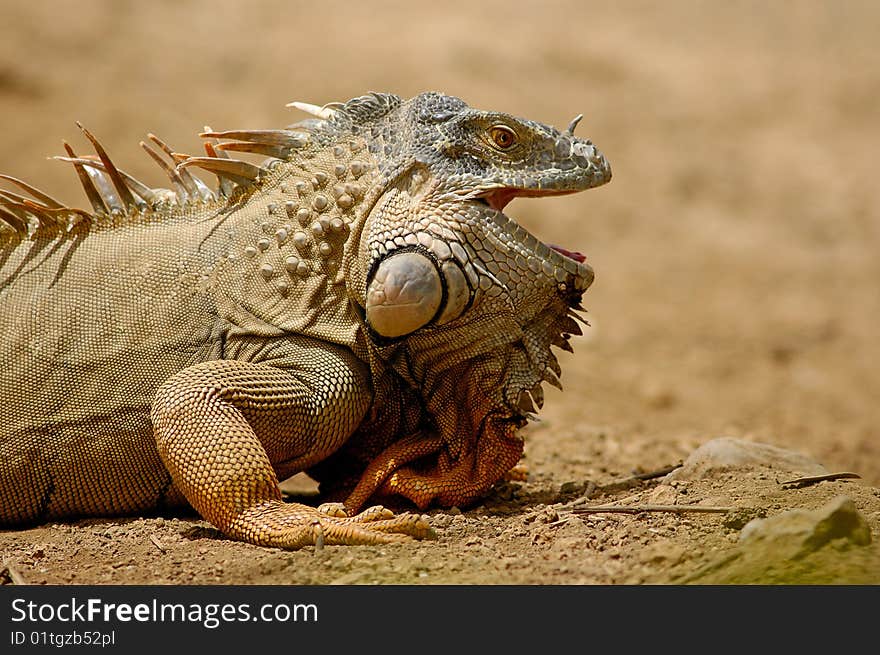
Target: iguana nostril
x,y
563,148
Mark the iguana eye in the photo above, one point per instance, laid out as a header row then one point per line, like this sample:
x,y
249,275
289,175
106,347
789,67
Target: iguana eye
x,y
502,136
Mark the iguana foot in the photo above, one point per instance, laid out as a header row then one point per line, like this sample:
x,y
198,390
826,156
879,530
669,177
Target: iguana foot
x,y
291,526
449,480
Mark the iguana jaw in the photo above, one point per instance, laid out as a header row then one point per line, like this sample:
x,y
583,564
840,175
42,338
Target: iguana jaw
x,y
499,198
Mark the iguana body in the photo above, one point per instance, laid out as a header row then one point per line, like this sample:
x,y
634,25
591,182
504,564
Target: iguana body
x,y
357,307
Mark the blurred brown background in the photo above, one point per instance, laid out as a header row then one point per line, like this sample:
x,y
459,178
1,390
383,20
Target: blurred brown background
x,y
736,249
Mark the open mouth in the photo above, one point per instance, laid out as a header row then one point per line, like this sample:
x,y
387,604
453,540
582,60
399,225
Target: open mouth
x,y
498,199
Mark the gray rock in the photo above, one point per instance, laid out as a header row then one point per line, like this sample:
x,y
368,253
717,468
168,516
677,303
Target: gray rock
x,y
726,453
799,531
829,545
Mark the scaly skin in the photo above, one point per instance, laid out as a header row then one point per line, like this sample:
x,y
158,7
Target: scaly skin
x,y
357,307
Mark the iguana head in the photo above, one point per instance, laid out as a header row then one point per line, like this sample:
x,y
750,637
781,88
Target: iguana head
x,y
445,271
497,157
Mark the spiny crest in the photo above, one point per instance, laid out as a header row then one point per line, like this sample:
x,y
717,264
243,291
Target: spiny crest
x,y
361,110
113,193
369,107
21,216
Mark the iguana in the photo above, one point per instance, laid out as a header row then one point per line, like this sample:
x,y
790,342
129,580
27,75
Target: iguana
x,y
356,306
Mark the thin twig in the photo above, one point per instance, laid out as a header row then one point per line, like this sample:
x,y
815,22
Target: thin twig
x,y
635,480
636,509
561,521
650,475
158,544
797,483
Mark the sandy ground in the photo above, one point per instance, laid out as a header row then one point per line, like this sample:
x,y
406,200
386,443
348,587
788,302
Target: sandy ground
x,y
735,251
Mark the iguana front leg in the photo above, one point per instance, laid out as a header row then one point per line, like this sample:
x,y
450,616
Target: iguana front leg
x,y
223,428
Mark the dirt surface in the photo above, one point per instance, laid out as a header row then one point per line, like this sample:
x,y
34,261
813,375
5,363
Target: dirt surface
x,y
735,255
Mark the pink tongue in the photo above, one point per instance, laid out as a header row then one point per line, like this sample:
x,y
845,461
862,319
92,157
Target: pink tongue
x,y
578,257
